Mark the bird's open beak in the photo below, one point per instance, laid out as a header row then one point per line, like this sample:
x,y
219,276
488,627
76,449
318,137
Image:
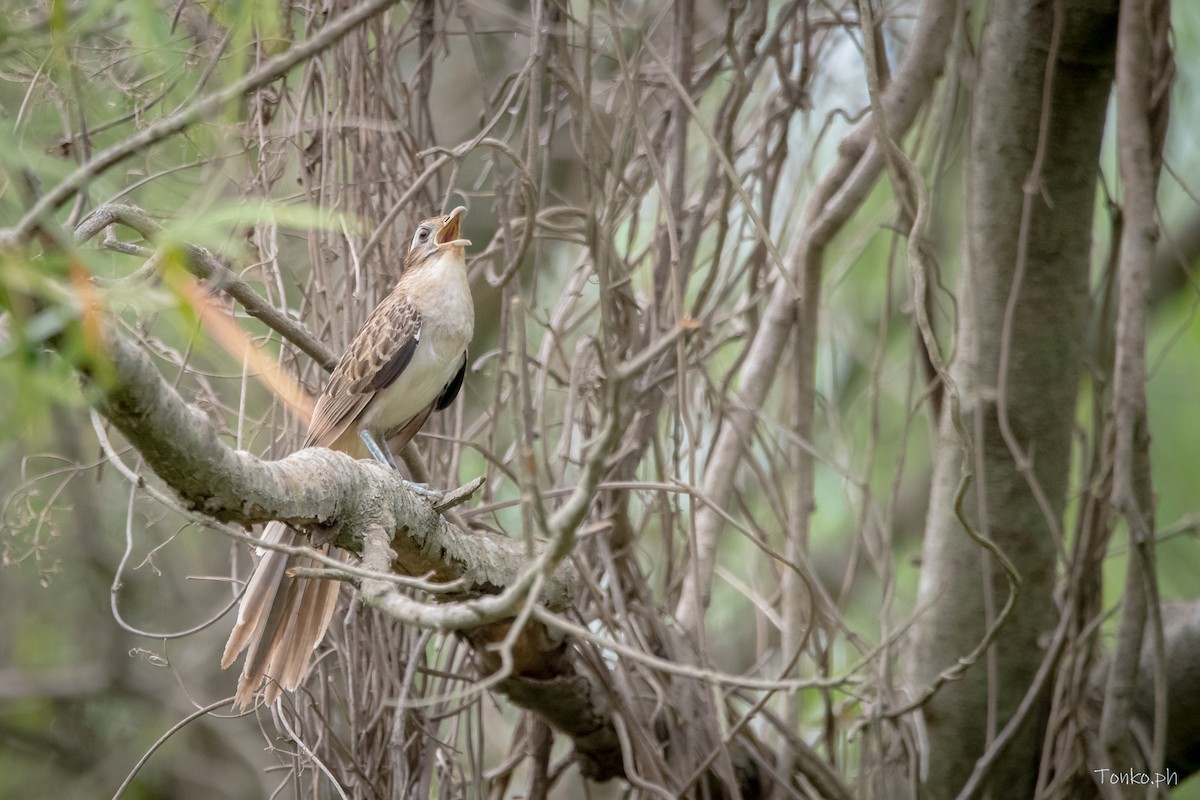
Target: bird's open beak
x,y
448,236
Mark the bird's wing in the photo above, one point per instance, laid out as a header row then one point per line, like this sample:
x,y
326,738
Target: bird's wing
x,y
451,389
373,361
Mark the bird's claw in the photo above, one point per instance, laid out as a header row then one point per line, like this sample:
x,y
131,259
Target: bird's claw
x,y
424,490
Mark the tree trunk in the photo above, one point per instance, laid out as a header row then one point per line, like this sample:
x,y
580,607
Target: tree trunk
x,y
1045,71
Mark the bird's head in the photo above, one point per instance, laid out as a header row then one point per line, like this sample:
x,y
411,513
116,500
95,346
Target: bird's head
x,y
436,236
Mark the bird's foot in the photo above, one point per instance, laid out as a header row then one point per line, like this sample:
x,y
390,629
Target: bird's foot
x,y
424,490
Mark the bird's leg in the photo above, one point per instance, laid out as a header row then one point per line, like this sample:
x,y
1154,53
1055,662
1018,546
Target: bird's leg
x,y
381,454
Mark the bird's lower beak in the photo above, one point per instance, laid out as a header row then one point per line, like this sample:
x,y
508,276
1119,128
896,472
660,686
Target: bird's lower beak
x,y
448,236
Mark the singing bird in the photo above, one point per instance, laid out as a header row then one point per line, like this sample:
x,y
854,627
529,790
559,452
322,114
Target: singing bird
x,y
407,361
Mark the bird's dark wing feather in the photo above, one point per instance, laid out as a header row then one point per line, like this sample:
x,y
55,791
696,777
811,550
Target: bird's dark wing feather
x,y
451,391
395,358
373,361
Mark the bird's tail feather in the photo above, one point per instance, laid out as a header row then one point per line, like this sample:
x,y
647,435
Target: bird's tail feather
x,y
281,620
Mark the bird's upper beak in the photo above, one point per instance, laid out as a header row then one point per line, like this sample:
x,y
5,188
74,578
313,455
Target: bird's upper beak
x,y
448,235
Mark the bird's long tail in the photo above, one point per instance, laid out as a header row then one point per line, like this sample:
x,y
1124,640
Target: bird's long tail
x,y
281,620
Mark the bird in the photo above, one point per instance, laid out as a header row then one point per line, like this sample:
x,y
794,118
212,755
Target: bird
x,y
407,361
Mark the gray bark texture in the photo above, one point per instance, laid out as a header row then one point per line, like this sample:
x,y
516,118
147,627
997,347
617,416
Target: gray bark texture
x,y
1034,147
1181,623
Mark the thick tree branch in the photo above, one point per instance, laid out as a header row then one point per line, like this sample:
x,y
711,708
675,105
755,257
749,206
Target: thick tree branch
x,y
314,489
1180,663
1181,670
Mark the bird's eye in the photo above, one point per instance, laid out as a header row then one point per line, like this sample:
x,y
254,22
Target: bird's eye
x,y
422,235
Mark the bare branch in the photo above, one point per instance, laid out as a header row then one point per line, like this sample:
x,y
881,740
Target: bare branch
x,y
204,108
834,201
1144,66
204,264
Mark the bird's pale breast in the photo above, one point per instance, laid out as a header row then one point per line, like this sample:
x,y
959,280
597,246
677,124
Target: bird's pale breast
x,y
443,297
